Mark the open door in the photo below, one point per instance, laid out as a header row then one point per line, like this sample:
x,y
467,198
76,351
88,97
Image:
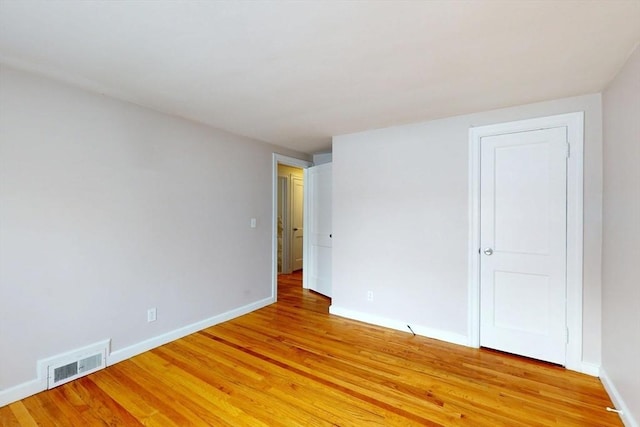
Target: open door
x,y
318,263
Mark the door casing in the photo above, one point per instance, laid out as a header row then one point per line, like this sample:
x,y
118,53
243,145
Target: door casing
x,y
574,122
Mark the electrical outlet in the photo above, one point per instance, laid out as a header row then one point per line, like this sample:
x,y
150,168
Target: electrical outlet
x,y
369,295
151,315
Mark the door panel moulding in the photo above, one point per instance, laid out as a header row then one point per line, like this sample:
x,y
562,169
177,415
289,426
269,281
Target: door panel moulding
x,y
574,123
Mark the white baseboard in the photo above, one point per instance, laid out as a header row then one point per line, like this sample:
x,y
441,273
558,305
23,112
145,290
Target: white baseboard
x,y
438,334
32,387
626,416
151,343
23,390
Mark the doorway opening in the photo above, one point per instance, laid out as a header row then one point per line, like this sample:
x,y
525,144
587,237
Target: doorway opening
x,y
289,217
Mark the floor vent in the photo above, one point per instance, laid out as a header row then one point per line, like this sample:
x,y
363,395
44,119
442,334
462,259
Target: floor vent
x,y
70,366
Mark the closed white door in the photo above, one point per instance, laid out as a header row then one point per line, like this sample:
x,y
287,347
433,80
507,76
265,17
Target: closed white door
x,y
297,222
319,184
523,217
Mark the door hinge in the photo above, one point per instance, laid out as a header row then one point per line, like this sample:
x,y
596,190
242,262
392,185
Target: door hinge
x,y
568,150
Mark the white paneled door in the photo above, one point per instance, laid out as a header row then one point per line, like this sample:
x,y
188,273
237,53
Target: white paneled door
x,y
297,222
319,184
523,229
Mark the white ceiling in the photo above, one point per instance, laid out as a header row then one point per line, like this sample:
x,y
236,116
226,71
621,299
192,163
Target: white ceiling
x,y
296,73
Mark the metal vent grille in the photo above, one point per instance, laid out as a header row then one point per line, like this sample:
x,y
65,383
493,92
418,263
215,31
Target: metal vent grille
x,y
64,372
89,363
59,374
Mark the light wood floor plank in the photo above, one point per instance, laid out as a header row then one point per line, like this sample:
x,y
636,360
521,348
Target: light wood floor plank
x,y
293,364
16,415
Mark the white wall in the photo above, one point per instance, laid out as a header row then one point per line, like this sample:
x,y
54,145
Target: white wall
x,y
108,209
401,213
322,158
621,240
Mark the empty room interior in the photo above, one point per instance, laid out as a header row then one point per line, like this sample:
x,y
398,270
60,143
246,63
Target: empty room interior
x,y
281,213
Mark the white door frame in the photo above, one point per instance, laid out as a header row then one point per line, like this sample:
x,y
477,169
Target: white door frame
x,y
574,122
298,163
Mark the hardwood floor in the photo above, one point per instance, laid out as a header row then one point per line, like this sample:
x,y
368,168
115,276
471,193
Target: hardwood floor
x,y
293,364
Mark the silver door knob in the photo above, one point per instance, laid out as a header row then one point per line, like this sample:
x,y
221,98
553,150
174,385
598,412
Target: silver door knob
x,y
488,251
